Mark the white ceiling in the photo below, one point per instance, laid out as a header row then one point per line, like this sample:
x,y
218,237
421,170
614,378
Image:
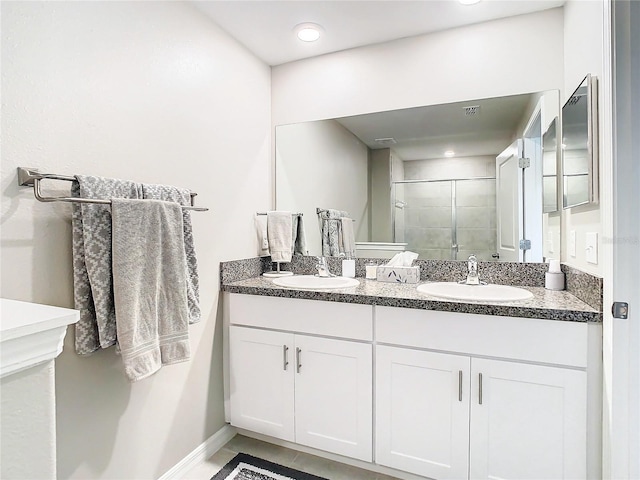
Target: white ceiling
x,y
266,27
427,132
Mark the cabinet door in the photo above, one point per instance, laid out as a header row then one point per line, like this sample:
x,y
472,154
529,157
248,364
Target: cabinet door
x,y
527,421
334,396
261,381
422,412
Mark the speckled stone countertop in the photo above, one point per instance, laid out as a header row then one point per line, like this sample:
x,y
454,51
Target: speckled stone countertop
x,y
545,304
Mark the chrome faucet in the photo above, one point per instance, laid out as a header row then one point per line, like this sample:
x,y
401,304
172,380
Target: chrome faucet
x,y
472,271
323,268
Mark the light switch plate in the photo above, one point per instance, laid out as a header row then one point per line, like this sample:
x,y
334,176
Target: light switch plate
x,y
591,247
572,243
550,248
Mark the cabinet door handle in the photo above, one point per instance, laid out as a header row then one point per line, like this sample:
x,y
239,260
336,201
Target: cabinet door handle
x,y
460,385
480,389
285,357
298,363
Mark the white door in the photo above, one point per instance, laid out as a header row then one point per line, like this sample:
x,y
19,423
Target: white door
x,y
532,185
527,422
334,398
261,381
509,203
422,412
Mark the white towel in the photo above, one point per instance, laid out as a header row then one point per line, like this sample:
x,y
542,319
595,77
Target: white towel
x,y
261,232
92,284
279,231
150,285
348,237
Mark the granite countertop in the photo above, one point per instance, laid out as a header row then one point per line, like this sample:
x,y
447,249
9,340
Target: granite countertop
x,y
545,304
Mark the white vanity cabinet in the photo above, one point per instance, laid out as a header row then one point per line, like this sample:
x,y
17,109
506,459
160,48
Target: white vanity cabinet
x,y
262,383
456,396
302,371
422,406
449,416
527,421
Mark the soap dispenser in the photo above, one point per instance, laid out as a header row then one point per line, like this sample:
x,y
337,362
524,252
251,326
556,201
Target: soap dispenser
x,y
348,267
554,278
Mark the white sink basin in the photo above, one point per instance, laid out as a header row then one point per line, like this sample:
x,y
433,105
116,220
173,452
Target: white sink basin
x,y
490,293
312,282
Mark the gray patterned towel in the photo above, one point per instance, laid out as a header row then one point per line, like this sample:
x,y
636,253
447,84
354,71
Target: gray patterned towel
x,y
150,285
331,230
92,275
183,197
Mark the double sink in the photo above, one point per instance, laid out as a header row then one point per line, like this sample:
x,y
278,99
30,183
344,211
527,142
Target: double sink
x,y
449,290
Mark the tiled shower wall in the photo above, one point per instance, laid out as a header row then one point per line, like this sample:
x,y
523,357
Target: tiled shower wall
x,y
428,218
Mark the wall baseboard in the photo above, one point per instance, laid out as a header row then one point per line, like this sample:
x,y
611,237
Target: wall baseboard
x,y
199,454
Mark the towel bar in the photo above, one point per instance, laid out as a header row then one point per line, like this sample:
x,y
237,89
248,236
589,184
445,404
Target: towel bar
x,y
28,177
320,210
293,214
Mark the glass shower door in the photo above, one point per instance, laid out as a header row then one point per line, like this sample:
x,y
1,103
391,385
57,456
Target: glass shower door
x,y
446,219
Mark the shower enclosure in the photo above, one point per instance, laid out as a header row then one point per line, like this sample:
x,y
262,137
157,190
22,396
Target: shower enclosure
x,y
446,219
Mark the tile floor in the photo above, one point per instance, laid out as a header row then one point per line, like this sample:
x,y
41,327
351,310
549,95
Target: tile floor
x,y
284,456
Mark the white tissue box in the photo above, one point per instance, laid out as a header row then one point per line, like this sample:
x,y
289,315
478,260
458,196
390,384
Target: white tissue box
x,y
398,274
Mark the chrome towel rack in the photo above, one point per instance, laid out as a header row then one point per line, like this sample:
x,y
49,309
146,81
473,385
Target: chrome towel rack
x,y
29,177
320,210
293,214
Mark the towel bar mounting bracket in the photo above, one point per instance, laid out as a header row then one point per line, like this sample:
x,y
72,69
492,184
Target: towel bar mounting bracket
x,y
30,177
27,176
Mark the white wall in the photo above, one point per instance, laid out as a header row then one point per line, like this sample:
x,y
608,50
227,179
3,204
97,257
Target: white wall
x,y
309,158
583,53
28,397
380,171
152,92
479,61
451,168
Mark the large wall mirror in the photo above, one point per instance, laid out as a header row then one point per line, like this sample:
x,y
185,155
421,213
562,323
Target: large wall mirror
x,y
580,146
424,179
550,168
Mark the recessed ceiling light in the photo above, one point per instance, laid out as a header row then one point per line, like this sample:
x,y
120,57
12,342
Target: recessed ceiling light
x,y
469,2
449,153
308,32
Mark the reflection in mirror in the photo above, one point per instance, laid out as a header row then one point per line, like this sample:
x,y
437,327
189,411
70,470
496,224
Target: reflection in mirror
x,y
550,168
579,148
420,179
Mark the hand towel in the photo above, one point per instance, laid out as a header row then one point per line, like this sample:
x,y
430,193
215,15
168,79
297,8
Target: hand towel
x,y
261,232
150,285
348,237
92,276
300,236
183,197
279,231
331,231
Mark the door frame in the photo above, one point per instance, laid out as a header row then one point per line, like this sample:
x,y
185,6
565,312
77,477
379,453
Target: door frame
x,y
621,337
515,149
532,187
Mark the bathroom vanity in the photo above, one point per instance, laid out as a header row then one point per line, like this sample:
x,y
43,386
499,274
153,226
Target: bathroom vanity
x,y
439,389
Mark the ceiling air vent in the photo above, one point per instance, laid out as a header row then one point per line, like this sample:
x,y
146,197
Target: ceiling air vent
x,y
471,111
386,141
